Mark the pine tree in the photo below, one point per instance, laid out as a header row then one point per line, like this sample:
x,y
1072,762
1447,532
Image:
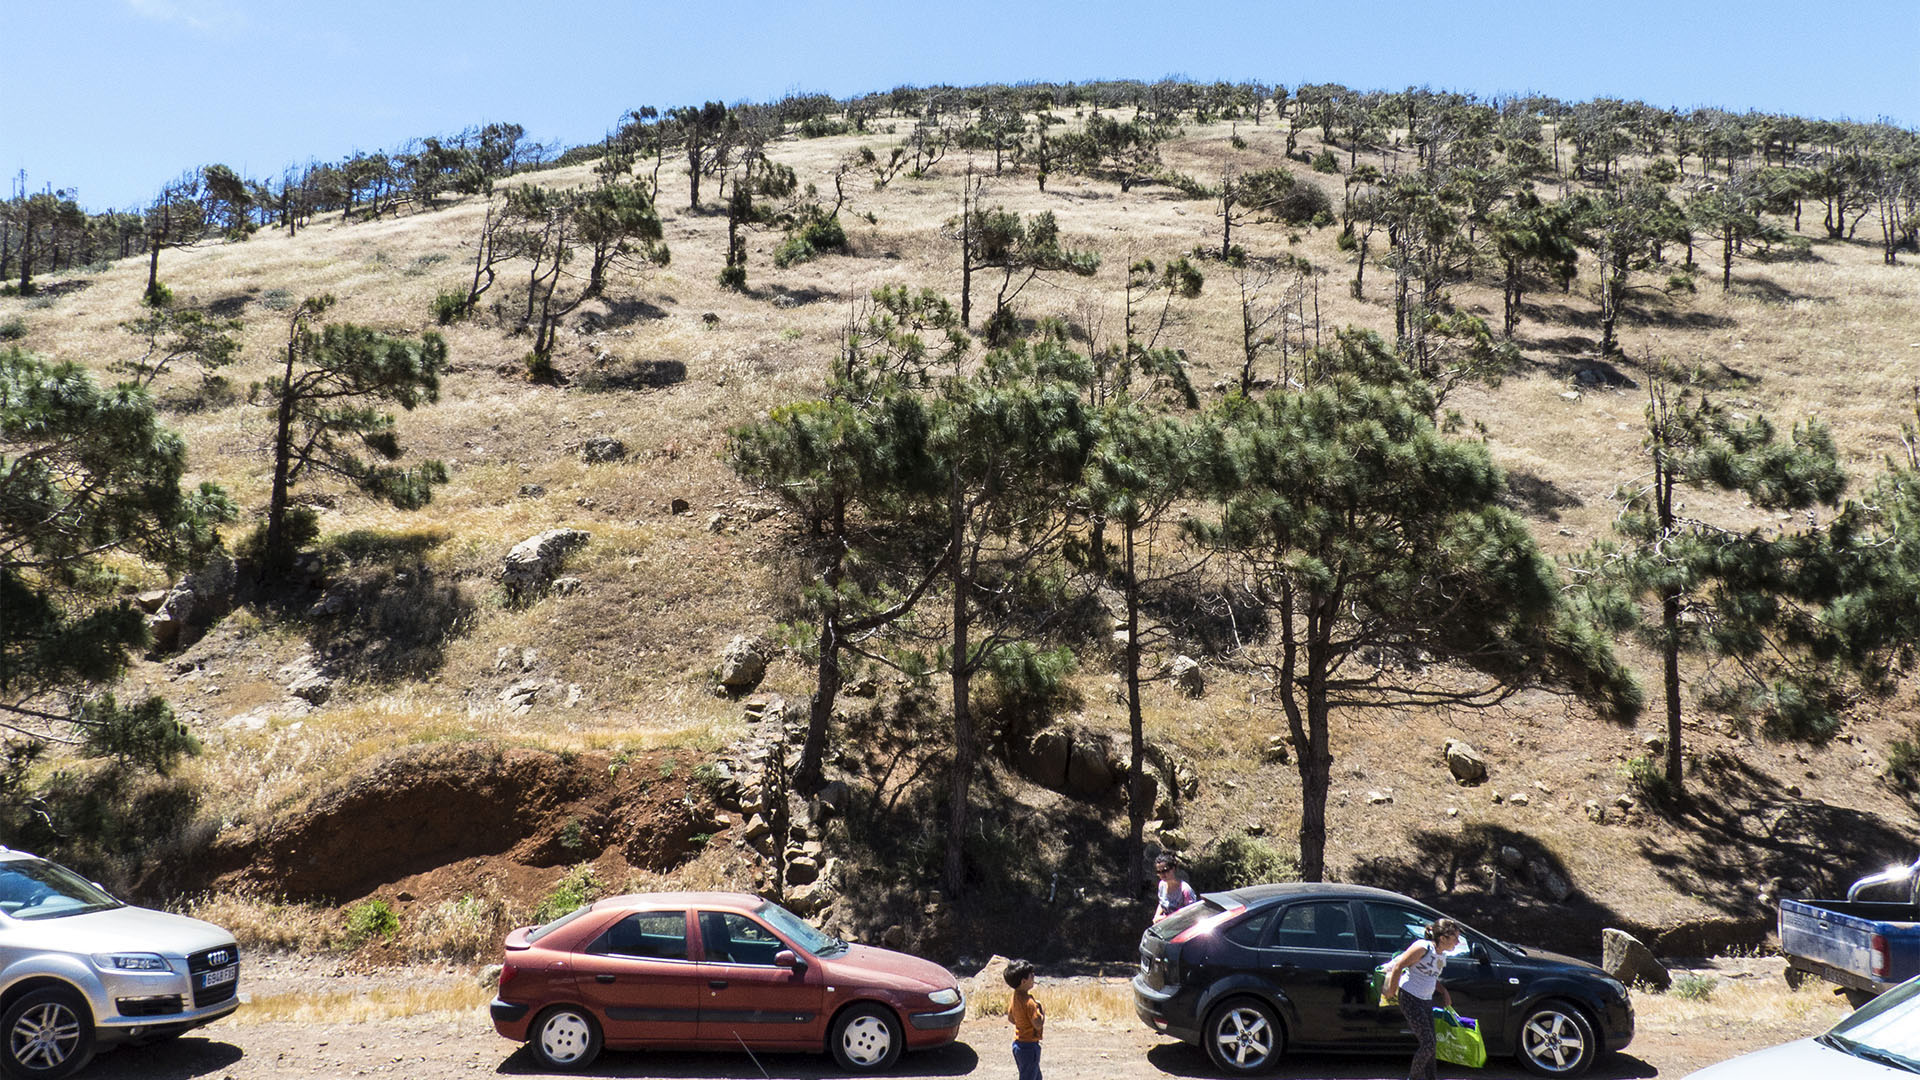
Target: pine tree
x,y
1378,545
324,403
86,473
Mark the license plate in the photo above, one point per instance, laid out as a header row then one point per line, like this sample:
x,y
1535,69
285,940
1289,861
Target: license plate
x,y
221,977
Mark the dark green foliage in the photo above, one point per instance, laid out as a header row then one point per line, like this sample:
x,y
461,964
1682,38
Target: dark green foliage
x,y
1238,861
325,405
1022,249
144,735
449,308
84,472
1371,533
1325,162
13,329
171,333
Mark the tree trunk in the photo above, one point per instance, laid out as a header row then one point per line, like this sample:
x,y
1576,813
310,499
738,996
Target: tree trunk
x,y
1138,799
960,780
278,555
826,687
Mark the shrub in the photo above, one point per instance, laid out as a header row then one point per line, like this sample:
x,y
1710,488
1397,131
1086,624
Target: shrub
x,y
1648,779
733,277
1691,987
303,528
1238,143
577,888
1903,764
1304,203
450,308
791,251
1189,186
368,920
1325,162
1238,860
816,127
540,367
13,329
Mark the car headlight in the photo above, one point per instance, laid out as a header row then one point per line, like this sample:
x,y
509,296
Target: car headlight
x,y
131,961
948,996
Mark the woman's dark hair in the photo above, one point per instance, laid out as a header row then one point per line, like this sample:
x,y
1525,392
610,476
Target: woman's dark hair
x,y
1018,971
1166,862
1442,926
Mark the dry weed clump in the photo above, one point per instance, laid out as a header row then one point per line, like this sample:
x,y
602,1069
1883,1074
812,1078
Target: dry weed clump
x,y
467,928
362,1007
262,922
1760,1002
1075,1001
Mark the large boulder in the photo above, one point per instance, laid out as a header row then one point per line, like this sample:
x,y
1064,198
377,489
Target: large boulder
x,y
1624,957
743,663
193,604
534,562
1465,763
1044,759
1091,769
1185,672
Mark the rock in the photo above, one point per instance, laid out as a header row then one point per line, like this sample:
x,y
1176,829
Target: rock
x,y
534,562
756,829
312,688
863,688
566,586
532,491
1570,395
678,506
830,801
1595,812
1277,750
743,663
1173,839
1185,671
1623,802
1465,763
489,975
1654,745
603,449
1090,768
1549,880
802,870
1511,858
1379,798
717,523
193,603
894,937
1519,798
808,899
1624,957
1044,759
150,600
519,697
334,601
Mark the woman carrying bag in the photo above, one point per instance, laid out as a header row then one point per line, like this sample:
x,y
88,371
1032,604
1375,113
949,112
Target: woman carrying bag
x,y
1414,976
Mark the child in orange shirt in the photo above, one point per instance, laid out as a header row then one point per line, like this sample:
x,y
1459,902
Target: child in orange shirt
x,y
1029,1020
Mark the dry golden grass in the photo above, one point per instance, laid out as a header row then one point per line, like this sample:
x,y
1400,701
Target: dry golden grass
x,y
1107,1002
363,1007
1759,1002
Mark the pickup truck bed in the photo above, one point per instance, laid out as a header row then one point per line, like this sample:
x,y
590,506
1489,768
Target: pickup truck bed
x,y
1865,946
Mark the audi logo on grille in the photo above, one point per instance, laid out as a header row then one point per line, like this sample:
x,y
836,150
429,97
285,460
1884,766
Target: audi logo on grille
x,y
218,957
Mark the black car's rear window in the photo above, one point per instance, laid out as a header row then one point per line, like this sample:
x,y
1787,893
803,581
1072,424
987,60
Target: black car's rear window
x,y
1173,925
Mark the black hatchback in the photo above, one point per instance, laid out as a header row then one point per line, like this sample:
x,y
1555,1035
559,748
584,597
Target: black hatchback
x,y
1249,973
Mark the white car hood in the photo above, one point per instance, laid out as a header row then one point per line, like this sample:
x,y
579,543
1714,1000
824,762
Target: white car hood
x,y
1798,1061
124,929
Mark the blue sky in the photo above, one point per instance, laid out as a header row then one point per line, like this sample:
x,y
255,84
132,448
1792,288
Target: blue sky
x,y
115,97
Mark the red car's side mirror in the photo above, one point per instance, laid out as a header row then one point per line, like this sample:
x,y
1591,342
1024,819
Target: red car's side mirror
x,y
787,958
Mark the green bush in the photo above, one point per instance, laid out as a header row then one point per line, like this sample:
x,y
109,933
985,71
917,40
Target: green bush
x,y
793,250
369,920
1648,779
1691,987
540,367
817,127
13,329
1903,764
733,277
303,528
1189,186
449,308
1238,860
577,888
1325,162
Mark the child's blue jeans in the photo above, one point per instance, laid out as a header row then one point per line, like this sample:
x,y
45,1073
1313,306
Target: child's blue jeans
x,y
1026,1059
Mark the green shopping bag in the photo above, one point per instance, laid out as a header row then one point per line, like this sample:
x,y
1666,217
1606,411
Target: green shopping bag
x,y
1377,987
1457,1039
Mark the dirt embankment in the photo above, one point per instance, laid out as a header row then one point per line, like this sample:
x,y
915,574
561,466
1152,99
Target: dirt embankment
x,y
468,811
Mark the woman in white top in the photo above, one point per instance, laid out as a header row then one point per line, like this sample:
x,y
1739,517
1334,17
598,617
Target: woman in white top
x,y
1414,976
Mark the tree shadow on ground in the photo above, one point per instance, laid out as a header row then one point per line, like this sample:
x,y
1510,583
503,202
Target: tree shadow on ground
x,y
1536,496
1768,291
1497,880
632,375
782,296
1740,833
621,313
230,307
387,615
55,289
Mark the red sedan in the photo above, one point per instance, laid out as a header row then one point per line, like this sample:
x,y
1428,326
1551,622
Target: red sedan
x,y
715,971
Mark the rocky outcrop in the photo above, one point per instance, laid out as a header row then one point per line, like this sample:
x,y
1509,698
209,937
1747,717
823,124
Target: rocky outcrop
x,y
193,604
534,562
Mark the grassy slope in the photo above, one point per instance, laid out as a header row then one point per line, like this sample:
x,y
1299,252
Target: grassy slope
x,y
661,593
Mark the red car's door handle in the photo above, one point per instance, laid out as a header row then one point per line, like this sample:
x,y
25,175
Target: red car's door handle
x,y
603,978
716,984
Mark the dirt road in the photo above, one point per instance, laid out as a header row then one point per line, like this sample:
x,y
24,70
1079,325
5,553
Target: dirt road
x,y
440,1046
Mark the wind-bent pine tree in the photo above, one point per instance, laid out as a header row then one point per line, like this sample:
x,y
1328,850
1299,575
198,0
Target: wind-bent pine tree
x,y
325,405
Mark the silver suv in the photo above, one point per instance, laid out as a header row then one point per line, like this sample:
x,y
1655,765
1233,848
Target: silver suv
x,y
80,970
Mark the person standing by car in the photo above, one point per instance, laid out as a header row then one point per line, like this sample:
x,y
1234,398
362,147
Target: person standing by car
x,y
1414,976
1029,1020
1174,893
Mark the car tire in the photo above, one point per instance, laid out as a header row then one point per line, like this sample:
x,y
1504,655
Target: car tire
x,y
1243,1036
1556,1039
866,1039
565,1037
49,1034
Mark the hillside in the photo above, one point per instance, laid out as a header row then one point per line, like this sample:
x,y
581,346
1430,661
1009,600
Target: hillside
x,y
423,647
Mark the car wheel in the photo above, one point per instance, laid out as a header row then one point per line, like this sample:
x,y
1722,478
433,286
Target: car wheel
x,y
49,1035
566,1037
1556,1039
1244,1036
866,1038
